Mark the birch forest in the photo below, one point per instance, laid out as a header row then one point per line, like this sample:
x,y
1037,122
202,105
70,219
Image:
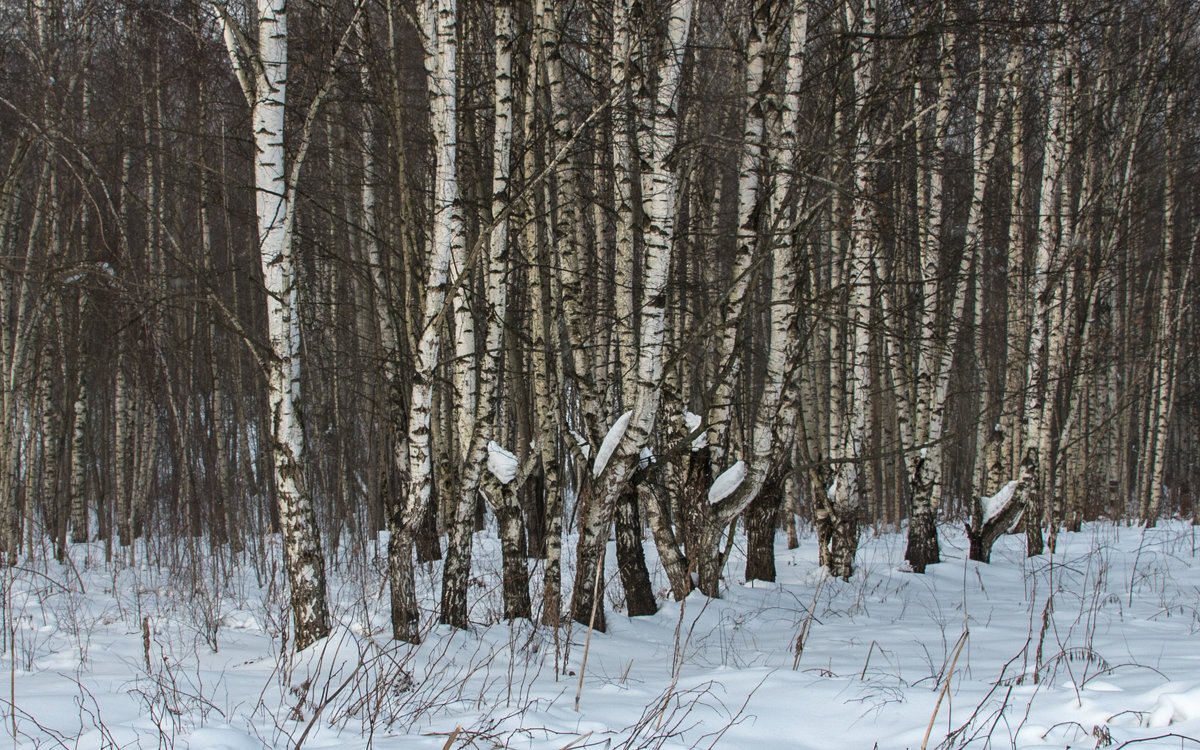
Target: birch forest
x,y
376,277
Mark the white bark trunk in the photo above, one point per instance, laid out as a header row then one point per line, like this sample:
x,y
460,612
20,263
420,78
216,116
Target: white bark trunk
x,y
846,444
439,19
659,199
1040,357
267,90
750,167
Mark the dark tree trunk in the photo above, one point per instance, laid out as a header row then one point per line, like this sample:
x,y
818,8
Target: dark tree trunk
x,y
429,545
701,535
406,617
981,539
631,558
552,588
533,500
822,521
762,519
843,545
922,527
589,565
1034,504
456,572
516,574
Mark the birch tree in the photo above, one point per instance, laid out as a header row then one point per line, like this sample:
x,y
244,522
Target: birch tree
x,y
440,28
839,504
261,68
1169,315
476,392
632,432
1035,423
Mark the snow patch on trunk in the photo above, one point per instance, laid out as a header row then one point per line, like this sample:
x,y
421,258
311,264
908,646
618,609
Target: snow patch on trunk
x,y
692,421
611,440
501,463
646,458
995,504
584,448
729,480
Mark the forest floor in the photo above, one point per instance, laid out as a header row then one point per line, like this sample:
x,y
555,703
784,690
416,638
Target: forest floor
x,y
1091,647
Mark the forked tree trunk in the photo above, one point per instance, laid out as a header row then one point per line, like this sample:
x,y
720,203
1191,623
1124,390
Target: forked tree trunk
x,y
262,72
659,203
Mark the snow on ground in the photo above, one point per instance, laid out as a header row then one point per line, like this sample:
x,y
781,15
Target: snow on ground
x,y
1093,647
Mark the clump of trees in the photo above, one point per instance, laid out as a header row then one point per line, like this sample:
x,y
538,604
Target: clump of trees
x,y
651,268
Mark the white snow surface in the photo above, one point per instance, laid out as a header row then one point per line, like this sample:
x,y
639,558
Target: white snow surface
x,y
501,463
728,481
994,505
1117,657
611,441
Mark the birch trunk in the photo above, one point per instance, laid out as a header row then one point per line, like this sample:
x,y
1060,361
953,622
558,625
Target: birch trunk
x,y
750,167
659,203
939,338
265,87
1169,315
923,453
441,29
1018,323
1041,359
78,460
778,410
475,393
848,418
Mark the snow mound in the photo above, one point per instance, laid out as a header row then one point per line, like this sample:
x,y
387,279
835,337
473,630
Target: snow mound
x,y
729,480
611,440
1174,708
501,463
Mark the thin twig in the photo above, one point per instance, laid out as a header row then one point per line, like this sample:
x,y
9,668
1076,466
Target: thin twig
x,y
962,641
591,626
453,736
803,636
